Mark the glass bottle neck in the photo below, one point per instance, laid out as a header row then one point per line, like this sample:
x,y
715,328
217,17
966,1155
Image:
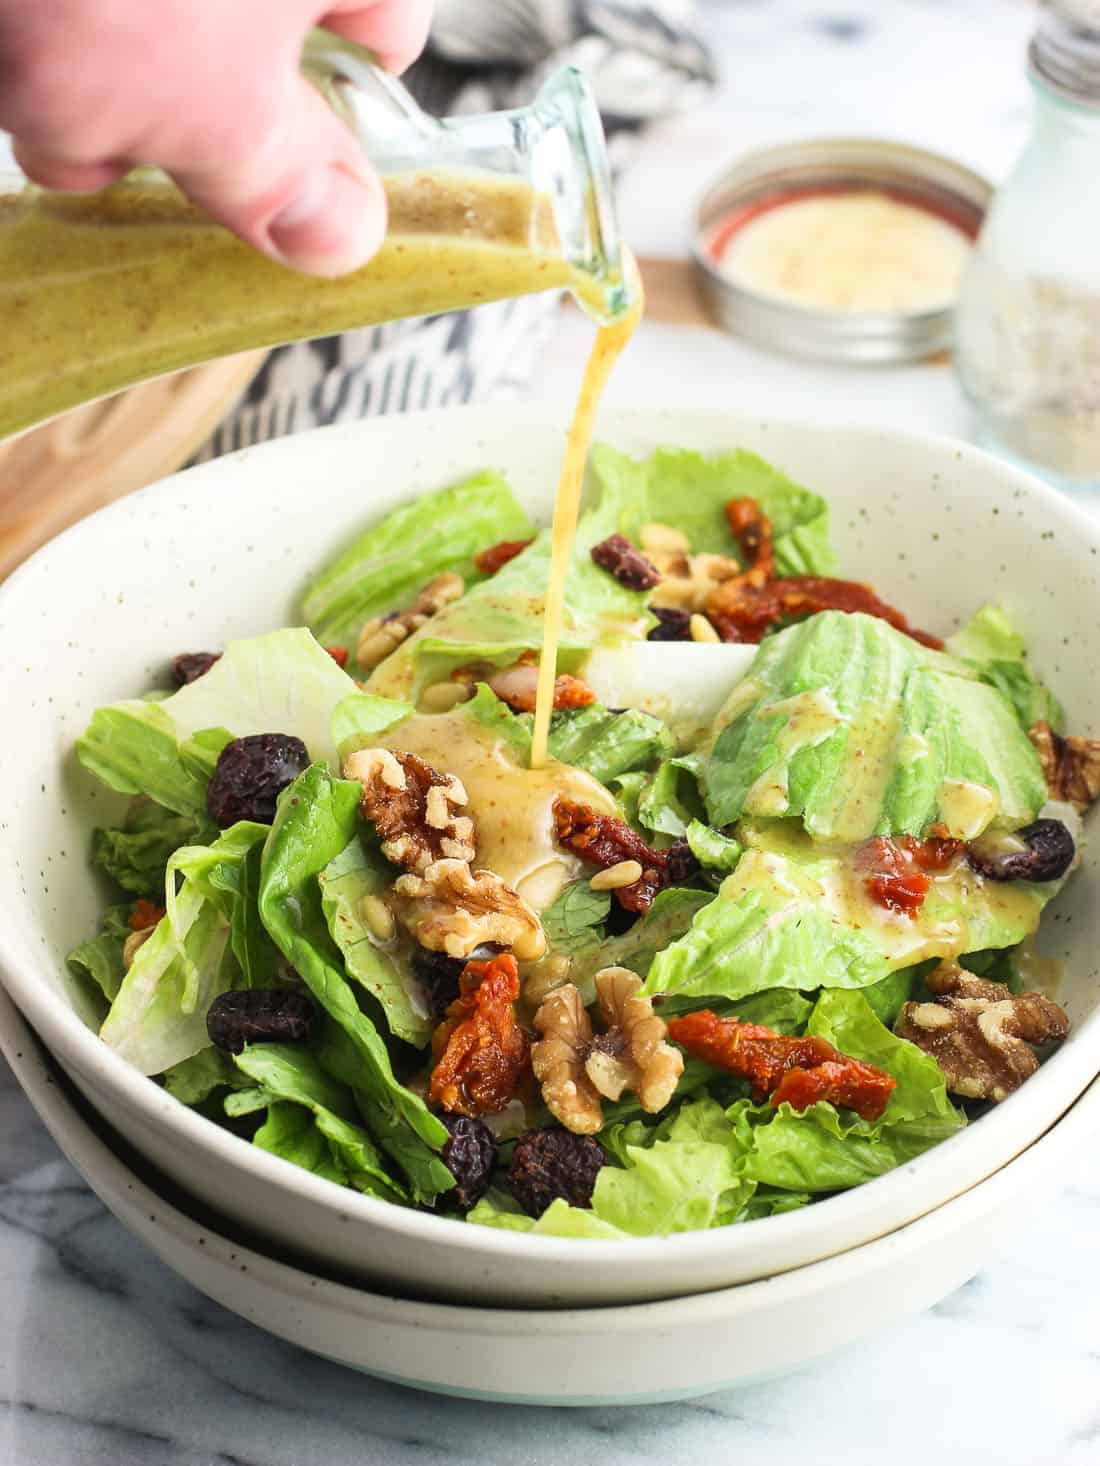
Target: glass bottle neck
x,y
555,147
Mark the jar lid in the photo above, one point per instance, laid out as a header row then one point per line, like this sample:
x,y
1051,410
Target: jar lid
x,y
771,248
1065,51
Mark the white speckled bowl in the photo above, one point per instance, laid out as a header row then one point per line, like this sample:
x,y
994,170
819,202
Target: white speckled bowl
x,y
222,550
643,1353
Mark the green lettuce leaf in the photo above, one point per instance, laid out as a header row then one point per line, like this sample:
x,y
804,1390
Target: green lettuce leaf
x,y
315,821
826,1149
690,492
795,915
384,567
283,682
605,744
226,874
497,1209
135,856
292,1133
158,1017
713,850
668,918
194,1080
359,718
498,620
574,920
288,1073
990,645
687,1174
859,730
669,802
356,873
100,957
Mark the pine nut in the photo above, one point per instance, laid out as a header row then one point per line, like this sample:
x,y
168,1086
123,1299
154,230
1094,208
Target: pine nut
x,y
701,629
663,537
623,874
441,697
378,917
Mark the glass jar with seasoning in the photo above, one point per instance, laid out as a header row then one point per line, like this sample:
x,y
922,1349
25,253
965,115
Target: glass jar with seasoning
x,y
1028,319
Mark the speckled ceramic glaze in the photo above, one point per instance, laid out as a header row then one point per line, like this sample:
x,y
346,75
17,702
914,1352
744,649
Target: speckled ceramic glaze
x,y
639,1354
223,550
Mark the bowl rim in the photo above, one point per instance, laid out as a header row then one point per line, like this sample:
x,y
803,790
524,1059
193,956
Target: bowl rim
x,y
73,1043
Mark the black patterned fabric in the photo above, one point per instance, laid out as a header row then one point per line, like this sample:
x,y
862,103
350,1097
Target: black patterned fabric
x,y
644,60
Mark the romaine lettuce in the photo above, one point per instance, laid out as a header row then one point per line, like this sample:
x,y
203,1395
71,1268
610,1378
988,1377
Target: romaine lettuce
x,y
135,855
385,566
989,644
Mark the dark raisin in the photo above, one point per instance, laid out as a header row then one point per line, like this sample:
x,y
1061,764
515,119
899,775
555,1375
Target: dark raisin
x,y
250,774
259,1015
1049,854
671,625
629,566
440,974
469,1155
552,1163
682,865
190,666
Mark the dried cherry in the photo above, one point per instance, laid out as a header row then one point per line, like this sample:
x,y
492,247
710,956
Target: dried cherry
x,y
1049,854
440,974
629,566
681,865
552,1164
470,1155
190,666
250,774
672,625
259,1015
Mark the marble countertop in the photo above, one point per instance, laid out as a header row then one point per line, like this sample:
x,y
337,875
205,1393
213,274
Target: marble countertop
x,y
108,1359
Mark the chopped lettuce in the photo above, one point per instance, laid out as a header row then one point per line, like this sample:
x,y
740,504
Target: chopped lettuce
x,y
989,644
602,742
315,821
689,492
293,1133
192,1081
358,719
100,957
499,619
713,850
384,567
135,856
794,914
283,682
669,800
668,918
346,882
827,1149
859,730
291,1074
573,922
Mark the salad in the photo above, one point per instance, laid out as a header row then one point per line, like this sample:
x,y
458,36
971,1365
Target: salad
x,y
760,930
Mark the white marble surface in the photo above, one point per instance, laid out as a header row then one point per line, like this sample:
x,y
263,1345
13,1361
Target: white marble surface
x,y
107,1359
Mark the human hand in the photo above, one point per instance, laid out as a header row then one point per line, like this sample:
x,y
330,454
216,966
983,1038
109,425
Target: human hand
x,y
210,91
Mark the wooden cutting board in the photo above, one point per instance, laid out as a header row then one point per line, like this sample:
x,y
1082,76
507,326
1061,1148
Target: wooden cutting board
x,y
56,474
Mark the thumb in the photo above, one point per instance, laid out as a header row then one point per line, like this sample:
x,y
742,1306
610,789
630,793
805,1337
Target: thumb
x,y
303,192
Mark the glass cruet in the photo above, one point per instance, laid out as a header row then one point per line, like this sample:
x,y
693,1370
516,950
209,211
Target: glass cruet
x,y
1028,320
99,292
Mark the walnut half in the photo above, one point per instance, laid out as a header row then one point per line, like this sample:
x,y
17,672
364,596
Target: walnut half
x,y
979,1033
450,908
414,809
1071,766
575,1067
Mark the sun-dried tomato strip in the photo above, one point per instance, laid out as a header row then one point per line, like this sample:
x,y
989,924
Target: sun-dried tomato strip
x,y
898,871
603,841
144,915
752,529
743,610
339,655
481,1052
792,1070
491,560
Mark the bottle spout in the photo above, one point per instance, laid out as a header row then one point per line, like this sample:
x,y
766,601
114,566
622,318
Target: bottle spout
x,y
570,166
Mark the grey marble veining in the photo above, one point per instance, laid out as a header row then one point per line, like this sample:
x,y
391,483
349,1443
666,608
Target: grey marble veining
x,y
108,1359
